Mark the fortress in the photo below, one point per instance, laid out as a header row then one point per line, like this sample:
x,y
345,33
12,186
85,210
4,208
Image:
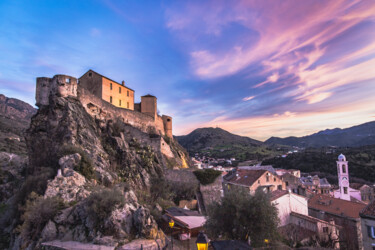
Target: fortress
x,y
105,100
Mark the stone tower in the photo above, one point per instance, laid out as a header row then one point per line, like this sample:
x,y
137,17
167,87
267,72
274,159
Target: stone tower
x,y
149,105
343,177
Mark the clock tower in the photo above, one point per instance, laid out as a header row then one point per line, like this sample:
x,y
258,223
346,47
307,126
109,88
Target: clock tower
x,y
343,177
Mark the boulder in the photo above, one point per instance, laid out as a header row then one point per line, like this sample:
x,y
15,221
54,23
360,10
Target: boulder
x,y
49,232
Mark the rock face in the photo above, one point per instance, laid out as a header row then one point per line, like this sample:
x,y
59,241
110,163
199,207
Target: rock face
x,y
11,174
74,157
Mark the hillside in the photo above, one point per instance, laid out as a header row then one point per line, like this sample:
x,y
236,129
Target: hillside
x,y
86,177
220,143
15,118
318,161
355,136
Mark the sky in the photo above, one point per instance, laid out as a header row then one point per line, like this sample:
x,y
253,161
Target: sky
x,y
255,68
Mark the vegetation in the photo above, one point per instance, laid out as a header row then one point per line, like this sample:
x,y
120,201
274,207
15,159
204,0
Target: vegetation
x,y
206,176
361,162
241,215
37,212
85,166
101,203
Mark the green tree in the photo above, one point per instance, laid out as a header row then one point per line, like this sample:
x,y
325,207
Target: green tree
x,y
241,215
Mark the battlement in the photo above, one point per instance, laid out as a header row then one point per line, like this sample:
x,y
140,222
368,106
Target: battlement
x,y
60,85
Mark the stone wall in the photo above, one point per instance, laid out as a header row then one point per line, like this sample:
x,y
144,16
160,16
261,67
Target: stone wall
x,y
60,85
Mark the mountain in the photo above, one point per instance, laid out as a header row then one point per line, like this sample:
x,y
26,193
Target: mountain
x,y
15,116
210,137
220,143
355,136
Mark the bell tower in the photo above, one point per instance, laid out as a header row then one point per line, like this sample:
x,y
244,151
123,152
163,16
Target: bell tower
x,y
343,177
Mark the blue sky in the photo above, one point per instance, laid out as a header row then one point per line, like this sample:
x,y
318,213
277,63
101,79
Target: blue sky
x,y
255,68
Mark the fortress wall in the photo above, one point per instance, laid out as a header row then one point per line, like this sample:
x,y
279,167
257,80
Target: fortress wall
x,y
60,85
159,125
103,110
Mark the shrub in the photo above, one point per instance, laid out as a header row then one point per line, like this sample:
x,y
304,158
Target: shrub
x,y
101,203
206,176
86,166
38,211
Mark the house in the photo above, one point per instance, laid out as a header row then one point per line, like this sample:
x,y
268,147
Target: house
x,y
316,184
344,213
251,180
367,192
368,226
188,223
295,221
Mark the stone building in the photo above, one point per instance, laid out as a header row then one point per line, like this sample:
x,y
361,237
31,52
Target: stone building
x,y
109,90
252,180
107,100
344,213
368,226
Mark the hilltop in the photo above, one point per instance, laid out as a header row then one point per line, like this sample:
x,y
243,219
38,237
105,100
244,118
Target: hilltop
x,y
217,142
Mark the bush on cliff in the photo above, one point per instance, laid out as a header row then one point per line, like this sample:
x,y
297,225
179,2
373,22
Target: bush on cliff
x,y
38,211
100,204
206,176
85,166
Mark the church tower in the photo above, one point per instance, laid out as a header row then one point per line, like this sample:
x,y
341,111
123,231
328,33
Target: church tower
x,y
343,177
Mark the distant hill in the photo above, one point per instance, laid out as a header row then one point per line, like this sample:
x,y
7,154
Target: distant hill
x,y
217,142
355,136
15,116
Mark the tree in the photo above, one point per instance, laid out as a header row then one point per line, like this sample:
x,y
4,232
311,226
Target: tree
x,y
241,215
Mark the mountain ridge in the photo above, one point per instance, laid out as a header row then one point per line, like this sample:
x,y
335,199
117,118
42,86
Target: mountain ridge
x,y
358,135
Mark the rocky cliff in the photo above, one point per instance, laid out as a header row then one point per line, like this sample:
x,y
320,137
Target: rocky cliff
x,y
15,118
81,178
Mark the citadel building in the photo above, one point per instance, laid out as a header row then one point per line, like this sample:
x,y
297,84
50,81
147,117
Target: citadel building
x,y
105,99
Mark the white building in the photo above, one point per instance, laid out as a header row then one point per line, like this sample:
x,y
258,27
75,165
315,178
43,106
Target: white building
x,y
345,192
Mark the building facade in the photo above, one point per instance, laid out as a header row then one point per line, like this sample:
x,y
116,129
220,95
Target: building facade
x,y
368,226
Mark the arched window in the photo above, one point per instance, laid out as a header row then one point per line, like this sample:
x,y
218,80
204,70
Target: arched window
x,y
344,168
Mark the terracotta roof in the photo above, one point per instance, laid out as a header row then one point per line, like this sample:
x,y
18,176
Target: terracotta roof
x,y
148,95
336,206
369,210
108,79
356,185
245,177
277,194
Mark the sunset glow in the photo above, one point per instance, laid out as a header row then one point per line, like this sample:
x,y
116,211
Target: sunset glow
x,y
255,68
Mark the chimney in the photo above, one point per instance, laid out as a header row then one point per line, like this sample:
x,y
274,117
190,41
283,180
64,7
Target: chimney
x,y
123,83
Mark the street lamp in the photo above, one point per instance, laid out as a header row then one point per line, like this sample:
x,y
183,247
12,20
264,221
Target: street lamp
x,y
171,225
202,241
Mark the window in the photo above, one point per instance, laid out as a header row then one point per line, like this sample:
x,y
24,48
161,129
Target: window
x,y
258,181
325,229
119,102
67,80
128,93
345,190
279,187
110,86
267,178
127,105
321,191
119,90
286,183
110,99
371,232
90,74
343,168
274,179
